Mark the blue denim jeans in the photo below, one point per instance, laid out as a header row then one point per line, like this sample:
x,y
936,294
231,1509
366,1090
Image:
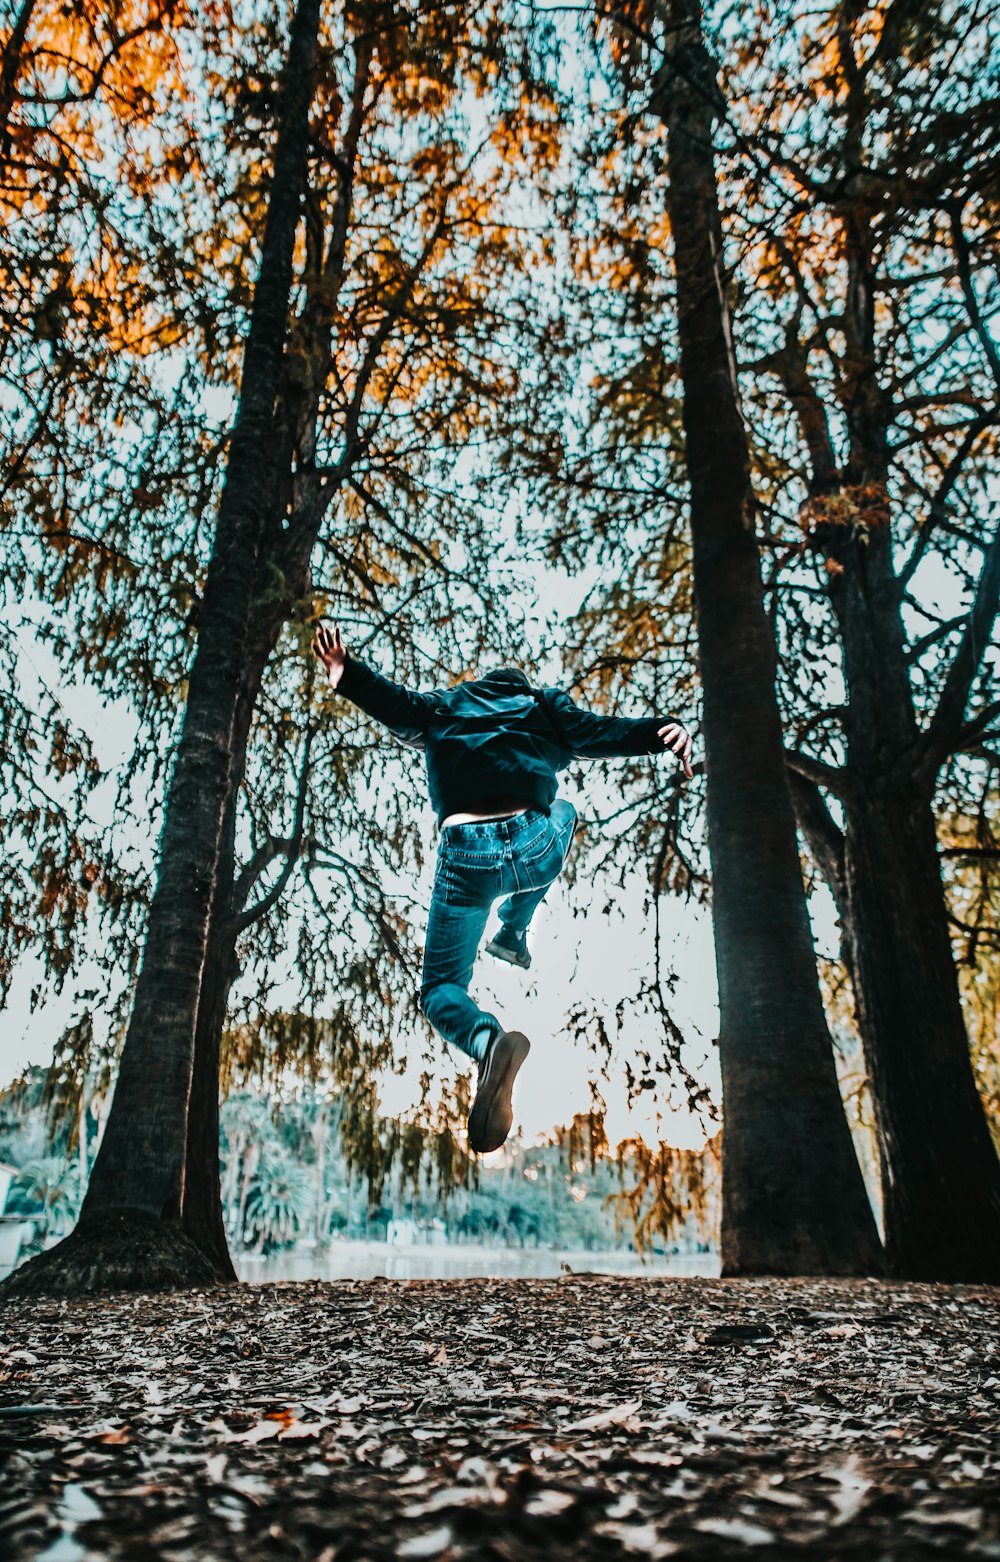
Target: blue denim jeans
x,y
478,863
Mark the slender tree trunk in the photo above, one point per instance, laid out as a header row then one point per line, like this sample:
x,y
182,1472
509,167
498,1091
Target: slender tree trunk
x,y
202,1215
295,512
129,1231
81,1137
794,1200
319,1139
940,1170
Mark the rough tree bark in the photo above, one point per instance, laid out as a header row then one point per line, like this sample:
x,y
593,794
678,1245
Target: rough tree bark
x,y
794,1200
129,1232
940,1171
298,503
941,1174
202,1214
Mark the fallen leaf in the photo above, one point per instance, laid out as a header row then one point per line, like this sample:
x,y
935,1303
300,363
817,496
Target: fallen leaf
x,y
547,1504
261,1433
736,1529
428,1545
617,1415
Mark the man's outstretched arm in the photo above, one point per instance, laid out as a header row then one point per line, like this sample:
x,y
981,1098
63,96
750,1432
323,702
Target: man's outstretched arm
x,y
607,737
405,714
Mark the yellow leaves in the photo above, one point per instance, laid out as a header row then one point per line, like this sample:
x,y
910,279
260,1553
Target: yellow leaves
x,y
351,505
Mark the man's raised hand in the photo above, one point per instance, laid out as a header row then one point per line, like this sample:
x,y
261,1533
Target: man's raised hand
x,y
329,647
678,740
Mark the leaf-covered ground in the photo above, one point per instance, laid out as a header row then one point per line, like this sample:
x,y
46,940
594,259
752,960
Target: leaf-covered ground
x,y
504,1418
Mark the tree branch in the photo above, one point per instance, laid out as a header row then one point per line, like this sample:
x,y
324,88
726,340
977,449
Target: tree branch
x,y
836,778
290,846
946,725
918,647
963,256
975,730
823,835
938,507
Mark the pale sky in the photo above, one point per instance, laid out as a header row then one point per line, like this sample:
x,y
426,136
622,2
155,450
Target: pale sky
x,y
595,959
574,960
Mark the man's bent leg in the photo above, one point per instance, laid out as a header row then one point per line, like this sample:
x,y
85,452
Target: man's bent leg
x,y
454,930
517,912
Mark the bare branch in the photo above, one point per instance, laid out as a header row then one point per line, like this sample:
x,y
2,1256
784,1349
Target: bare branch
x,y
823,835
925,642
963,256
947,724
978,728
938,508
289,847
836,778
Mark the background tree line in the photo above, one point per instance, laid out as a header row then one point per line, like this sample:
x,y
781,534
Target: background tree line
x,y
287,1177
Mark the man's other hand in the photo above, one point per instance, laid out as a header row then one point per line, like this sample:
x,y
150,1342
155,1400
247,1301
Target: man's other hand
x,y
329,647
678,740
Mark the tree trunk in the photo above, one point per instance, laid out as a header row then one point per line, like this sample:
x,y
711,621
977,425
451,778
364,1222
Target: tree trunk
x,y
137,1179
941,1172
296,508
794,1200
201,1214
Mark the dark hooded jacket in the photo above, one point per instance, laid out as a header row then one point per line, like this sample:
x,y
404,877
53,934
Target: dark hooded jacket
x,y
496,738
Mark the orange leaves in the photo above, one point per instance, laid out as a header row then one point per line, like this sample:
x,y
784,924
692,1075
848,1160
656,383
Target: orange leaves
x,y
81,70
126,53
629,29
842,45
418,92
859,510
530,136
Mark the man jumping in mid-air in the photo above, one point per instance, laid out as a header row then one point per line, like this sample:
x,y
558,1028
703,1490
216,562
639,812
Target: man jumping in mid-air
x,y
493,747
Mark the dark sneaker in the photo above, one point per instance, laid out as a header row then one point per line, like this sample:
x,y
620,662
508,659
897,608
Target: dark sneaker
x,y
492,1112
510,946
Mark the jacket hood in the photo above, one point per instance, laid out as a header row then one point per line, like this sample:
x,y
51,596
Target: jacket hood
x,y
502,679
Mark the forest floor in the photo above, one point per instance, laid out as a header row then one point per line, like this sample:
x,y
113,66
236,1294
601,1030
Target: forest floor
x,y
583,1417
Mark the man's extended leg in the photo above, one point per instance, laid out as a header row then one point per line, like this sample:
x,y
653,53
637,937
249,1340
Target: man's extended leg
x,y
516,913
455,927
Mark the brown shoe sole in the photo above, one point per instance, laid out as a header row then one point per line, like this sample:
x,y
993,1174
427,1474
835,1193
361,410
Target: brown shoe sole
x,y
492,1112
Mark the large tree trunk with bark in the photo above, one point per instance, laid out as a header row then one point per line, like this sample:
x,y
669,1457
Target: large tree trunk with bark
x,y
137,1180
940,1171
794,1200
297,505
941,1175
